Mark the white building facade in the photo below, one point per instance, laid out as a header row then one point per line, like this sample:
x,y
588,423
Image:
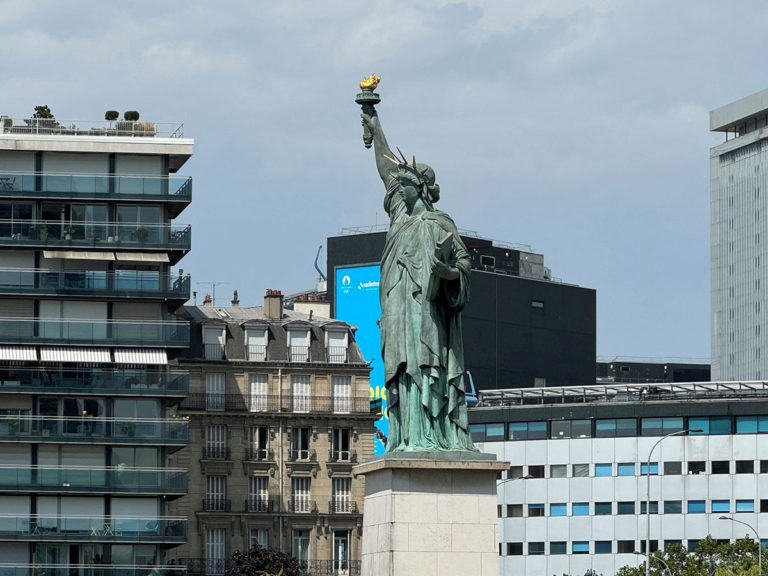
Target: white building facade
x,y
574,498
739,239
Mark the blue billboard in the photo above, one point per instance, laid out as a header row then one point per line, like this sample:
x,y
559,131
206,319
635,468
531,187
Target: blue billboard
x,y
357,303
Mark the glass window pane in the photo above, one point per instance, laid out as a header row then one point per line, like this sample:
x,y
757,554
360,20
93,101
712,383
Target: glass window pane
x,y
603,508
745,505
558,547
644,468
477,431
581,428
720,425
651,427
696,507
580,547
537,430
746,425
580,508
762,424
580,470
702,423
721,506
626,427
602,470
518,431
654,507
670,425
535,509
626,469
561,429
673,468
495,431
673,507
625,508
560,509
605,428
603,547
558,471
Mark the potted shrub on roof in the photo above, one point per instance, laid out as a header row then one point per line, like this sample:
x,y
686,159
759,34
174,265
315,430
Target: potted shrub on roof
x,y
68,231
110,116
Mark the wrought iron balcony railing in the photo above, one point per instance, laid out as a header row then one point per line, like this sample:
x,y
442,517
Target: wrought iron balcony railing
x,y
256,352
342,506
92,429
93,528
243,403
349,456
216,453
96,186
259,504
337,354
259,454
298,353
214,352
308,455
116,479
163,382
216,504
302,506
334,568
113,284
99,332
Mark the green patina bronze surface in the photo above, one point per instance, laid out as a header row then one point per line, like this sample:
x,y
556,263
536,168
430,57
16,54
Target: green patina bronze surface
x,y
424,286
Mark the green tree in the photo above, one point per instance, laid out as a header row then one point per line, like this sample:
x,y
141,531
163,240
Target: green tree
x,y
43,112
260,561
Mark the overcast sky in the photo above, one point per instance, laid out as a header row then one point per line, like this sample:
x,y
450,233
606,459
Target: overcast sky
x,y
578,127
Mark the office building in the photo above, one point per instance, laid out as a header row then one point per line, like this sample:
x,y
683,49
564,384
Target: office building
x,y
87,241
279,413
739,243
576,494
635,371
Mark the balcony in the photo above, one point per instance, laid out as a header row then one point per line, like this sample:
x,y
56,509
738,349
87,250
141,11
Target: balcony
x,y
214,352
342,456
337,354
216,504
302,506
163,383
117,529
108,480
132,284
99,235
94,430
334,568
216,453
342,506
89,570
259,454
97,187
298,353
302,455
123,128
259,504
155,333
326,405
256,352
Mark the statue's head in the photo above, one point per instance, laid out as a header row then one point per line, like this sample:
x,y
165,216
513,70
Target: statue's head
x,y
417,180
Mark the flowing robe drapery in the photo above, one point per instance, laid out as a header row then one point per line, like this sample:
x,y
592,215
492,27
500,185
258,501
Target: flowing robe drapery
x,y
421,337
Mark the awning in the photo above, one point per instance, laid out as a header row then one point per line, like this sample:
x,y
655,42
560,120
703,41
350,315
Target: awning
x,y
141,257
18,353
140,356
73,255
74,354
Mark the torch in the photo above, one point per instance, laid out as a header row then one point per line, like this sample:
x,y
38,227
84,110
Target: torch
x,y
367,99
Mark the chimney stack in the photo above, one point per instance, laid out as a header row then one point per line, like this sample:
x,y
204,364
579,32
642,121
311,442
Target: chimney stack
x,y
235,300
208,301
273,304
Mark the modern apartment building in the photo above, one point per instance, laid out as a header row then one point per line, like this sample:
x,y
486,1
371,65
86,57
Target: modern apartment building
x,y
279,413
739,239
87,241
576,494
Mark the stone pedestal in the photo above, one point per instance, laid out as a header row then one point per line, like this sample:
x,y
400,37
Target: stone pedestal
x,y
427,517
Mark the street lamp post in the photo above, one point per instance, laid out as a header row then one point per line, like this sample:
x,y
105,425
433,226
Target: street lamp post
x,y
648,556
759,543
648,492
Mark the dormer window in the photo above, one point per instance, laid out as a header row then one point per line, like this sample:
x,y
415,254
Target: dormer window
x,y
213,343
256,344
298,344
336,344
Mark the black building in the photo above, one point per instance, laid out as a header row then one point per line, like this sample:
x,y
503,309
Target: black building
x,y
620,370
521,329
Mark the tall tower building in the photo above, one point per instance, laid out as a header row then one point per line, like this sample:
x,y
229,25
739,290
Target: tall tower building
x,y
739,239
87,242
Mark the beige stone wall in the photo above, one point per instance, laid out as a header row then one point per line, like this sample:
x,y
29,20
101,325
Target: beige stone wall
x,y
280,470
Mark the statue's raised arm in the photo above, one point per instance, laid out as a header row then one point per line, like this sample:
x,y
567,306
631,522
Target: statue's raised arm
x,y
385,159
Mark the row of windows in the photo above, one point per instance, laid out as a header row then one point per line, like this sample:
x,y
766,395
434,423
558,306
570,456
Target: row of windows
x,y
598,547
608,469
618,427
630,507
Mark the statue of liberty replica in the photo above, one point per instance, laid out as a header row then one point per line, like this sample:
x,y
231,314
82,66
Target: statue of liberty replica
x,y
424,285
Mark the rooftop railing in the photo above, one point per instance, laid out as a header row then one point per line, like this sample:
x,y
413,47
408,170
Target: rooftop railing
x,y
684,391
114,284
90,569
116,479
162,382
97,186
100,332
95,528
243,403
93,429
98,234
122,128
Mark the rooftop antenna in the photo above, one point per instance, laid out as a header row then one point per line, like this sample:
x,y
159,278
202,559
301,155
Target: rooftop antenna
x,y
317,256
212,286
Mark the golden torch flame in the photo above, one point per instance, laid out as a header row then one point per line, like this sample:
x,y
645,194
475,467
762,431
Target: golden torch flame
x,y
370,83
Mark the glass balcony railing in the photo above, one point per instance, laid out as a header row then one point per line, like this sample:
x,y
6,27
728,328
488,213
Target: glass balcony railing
x,y
113,284
90,570
95,234
163,382
94,528
117,479
96,186
93,429
91,128
173,334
